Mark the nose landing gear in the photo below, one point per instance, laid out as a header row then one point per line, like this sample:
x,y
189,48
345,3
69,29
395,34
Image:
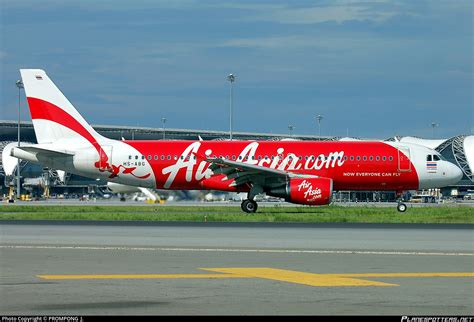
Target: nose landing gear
x,y
401,207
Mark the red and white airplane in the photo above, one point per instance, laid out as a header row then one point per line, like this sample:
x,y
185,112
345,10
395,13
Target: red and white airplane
x,y
301,172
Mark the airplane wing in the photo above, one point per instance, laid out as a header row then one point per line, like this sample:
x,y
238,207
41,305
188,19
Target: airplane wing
x,y
243,173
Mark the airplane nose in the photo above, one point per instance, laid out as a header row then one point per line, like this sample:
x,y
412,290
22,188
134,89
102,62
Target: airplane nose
x,y
454,173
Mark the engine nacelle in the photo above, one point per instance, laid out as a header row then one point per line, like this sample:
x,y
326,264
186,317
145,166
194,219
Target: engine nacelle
x,y
305,191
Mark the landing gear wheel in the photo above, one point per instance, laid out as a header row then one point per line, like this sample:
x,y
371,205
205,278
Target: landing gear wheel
x,y
249,206
401,207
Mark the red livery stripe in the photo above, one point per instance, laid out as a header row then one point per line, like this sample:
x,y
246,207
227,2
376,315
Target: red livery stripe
x,y
44,110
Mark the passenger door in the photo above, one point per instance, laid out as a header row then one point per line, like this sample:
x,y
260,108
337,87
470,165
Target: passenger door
x,y
404,163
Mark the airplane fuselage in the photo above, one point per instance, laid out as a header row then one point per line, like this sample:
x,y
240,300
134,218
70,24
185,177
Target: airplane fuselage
x,y
181,164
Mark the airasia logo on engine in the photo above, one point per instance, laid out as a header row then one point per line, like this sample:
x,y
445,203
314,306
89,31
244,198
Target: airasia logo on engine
x,y
309,193
315,191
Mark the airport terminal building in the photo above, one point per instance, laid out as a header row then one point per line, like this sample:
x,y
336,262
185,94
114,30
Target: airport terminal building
x,y
37,181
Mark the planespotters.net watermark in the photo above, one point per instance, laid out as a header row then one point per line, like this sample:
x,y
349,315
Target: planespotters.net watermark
x,y
437,319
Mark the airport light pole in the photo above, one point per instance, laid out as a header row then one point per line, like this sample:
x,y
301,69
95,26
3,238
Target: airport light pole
x,y
19,84
433,125
319,118
231,79
291,128
163,121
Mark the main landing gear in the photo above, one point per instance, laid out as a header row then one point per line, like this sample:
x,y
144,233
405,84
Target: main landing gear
x,y
249,206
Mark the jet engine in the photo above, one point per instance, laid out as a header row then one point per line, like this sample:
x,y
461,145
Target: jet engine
x,y
306,191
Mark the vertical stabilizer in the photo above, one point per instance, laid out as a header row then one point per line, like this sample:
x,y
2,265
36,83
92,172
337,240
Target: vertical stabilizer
x,y
54,117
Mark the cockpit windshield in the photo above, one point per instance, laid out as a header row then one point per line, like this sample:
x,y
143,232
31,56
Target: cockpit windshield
x,y
435,157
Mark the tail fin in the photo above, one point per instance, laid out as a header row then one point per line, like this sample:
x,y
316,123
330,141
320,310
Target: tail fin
x,y
54,117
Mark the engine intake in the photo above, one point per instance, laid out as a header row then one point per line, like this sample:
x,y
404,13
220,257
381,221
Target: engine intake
x,y
305,191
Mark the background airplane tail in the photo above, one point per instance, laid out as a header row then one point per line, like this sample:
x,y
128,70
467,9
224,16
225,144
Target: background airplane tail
x,y
54,117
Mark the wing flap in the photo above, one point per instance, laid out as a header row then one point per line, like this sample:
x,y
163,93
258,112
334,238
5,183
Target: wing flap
x,y
240,166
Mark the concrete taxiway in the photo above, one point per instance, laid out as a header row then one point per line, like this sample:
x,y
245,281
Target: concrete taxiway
x,y
206,268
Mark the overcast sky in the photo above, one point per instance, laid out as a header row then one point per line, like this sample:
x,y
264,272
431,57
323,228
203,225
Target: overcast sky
x,y
372,68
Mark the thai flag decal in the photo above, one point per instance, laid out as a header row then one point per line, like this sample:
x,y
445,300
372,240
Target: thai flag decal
x,y
431,166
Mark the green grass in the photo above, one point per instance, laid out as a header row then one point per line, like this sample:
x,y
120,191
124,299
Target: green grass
x,y
332,213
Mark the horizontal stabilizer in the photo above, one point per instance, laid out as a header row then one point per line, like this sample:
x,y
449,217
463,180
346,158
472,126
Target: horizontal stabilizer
x,y
45,151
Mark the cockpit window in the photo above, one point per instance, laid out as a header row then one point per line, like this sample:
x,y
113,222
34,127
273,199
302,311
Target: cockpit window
x,y
435,157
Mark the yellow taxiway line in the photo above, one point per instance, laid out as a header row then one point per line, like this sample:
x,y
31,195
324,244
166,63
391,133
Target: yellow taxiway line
x,y
445,274
138,276
295,277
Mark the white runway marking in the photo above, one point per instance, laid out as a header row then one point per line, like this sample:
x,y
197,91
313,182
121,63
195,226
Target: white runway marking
x,y
235,250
